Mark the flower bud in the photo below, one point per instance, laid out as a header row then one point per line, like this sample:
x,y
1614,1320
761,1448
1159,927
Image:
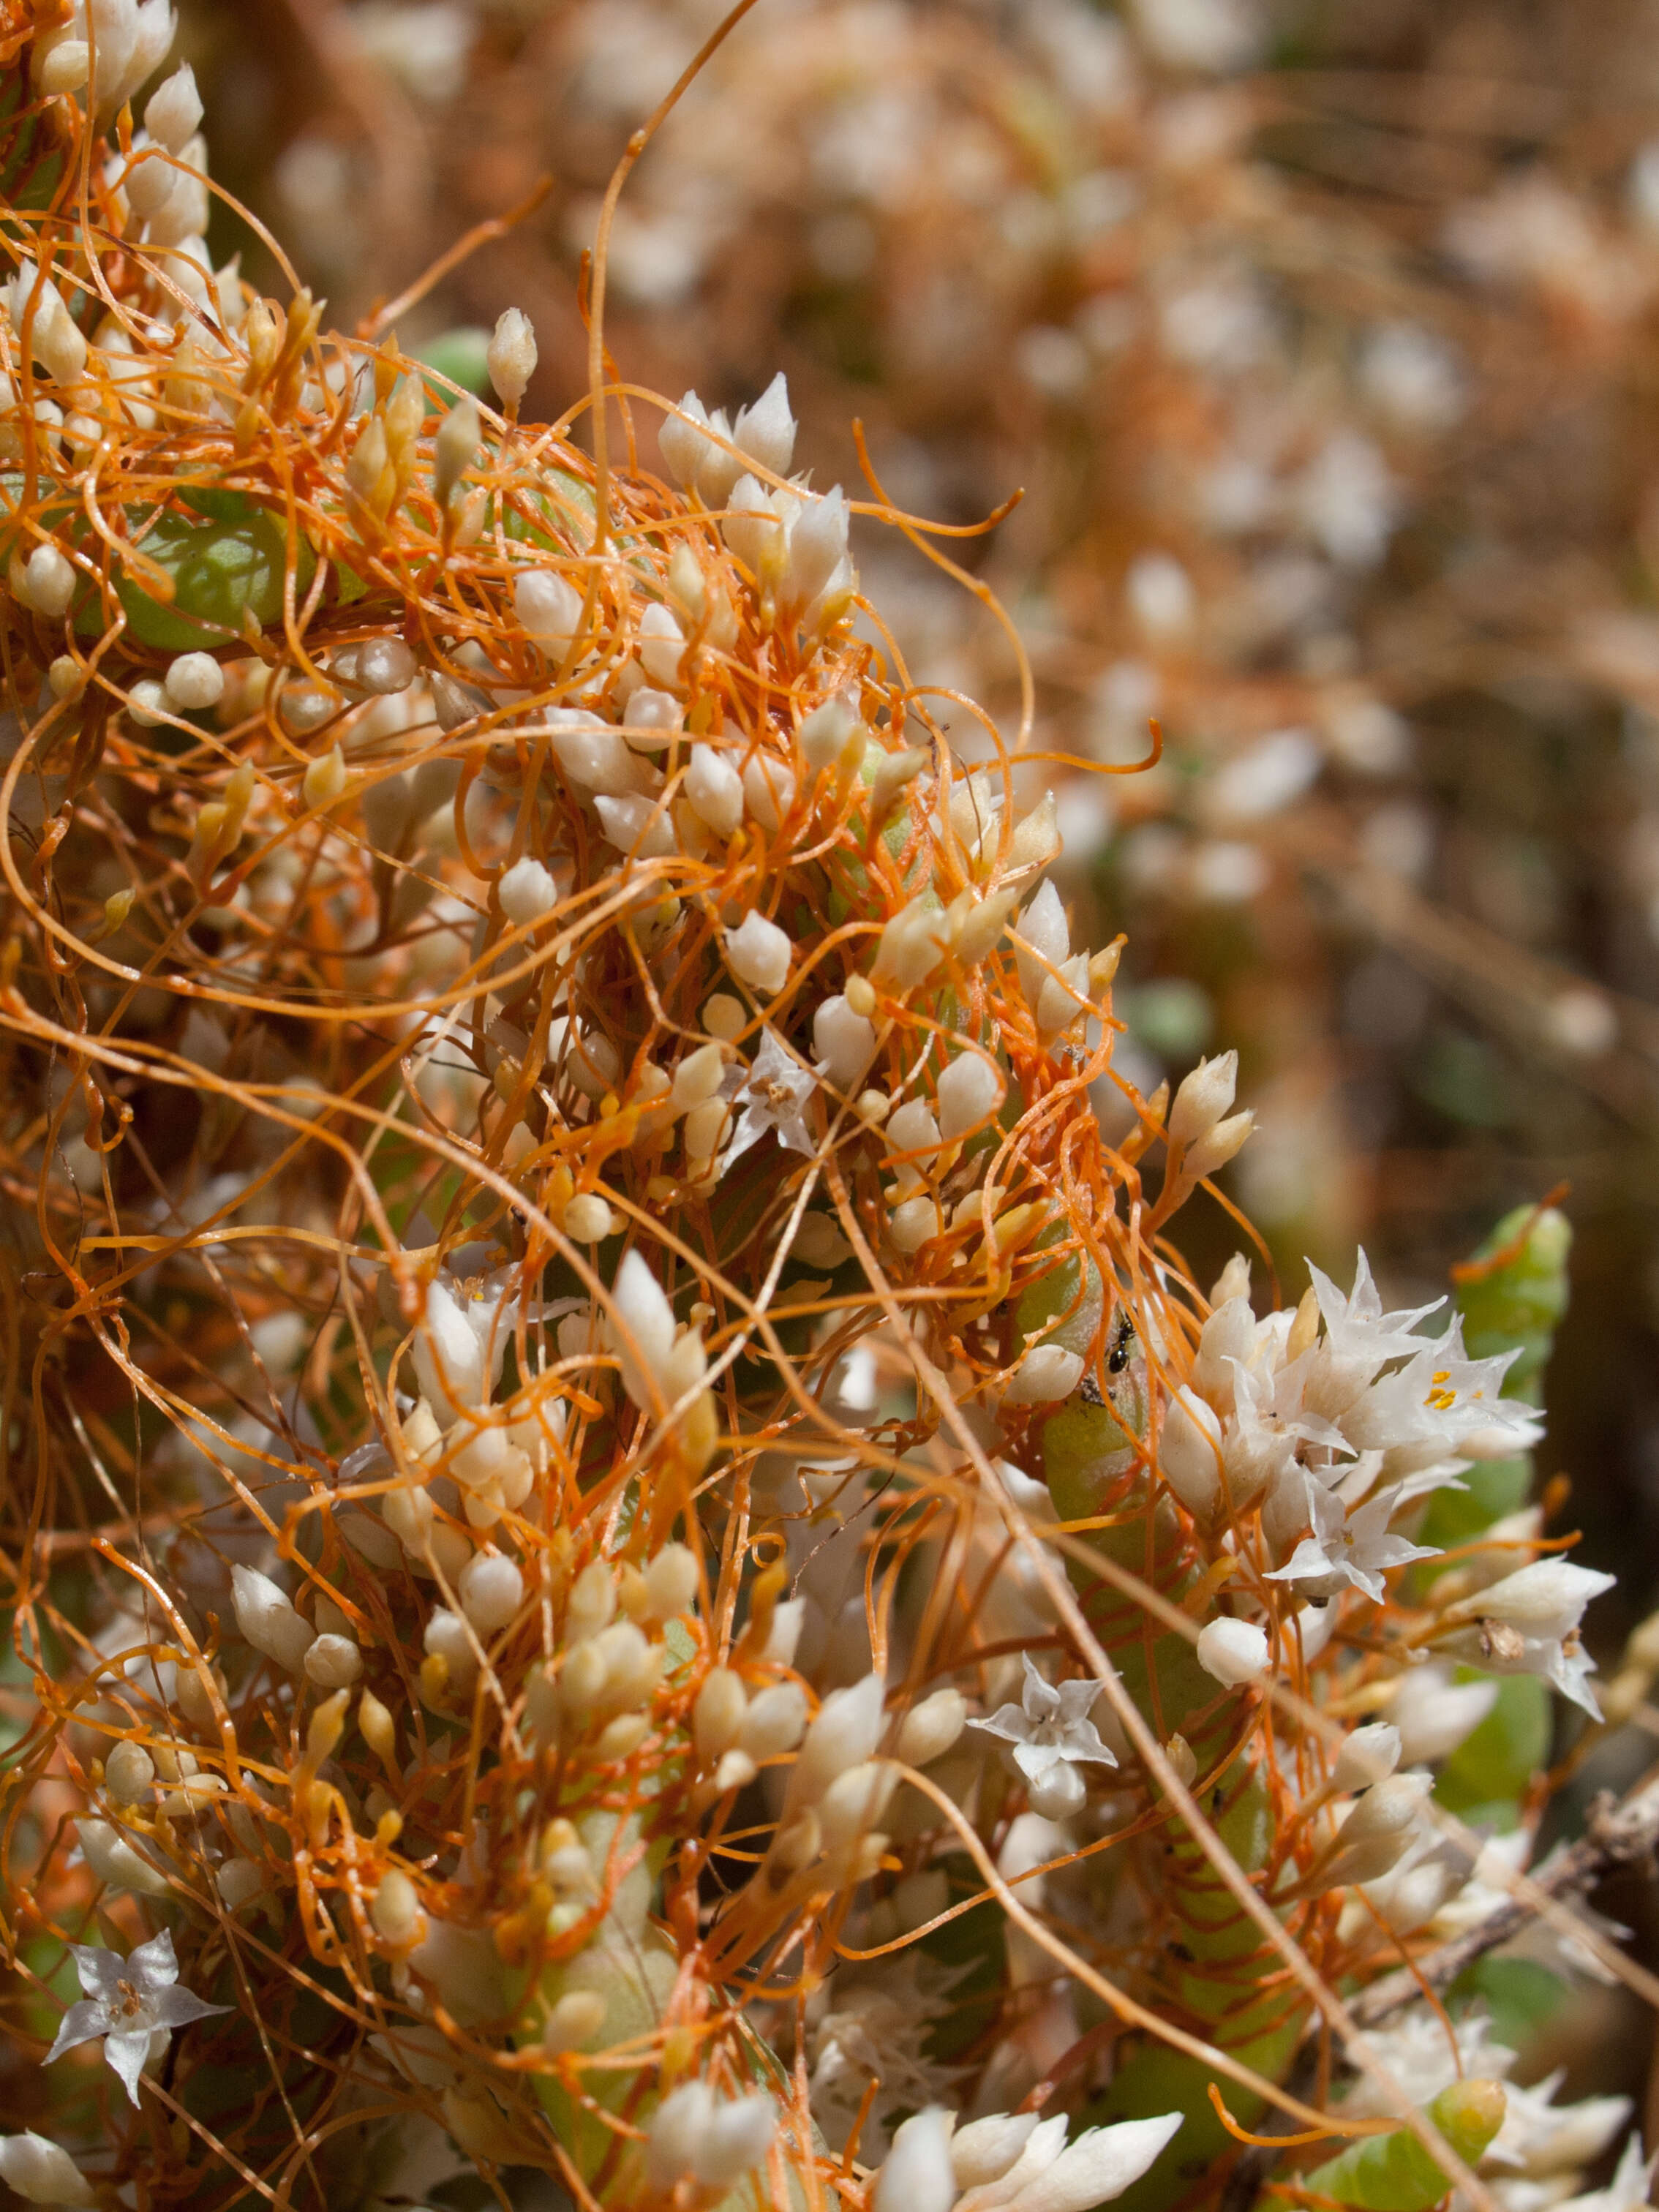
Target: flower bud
x,y
193,681
46,583
1233,1651
845,1042
1545,1601
1214,1149
697,1077
446,1638
454,451
642,1329
783,1637
1058,1793
1190,1452
576,2019
768,789
491,1590
765,432
1390,1807
985,2149
682,443
932,1728
549,606
1369,1755
588,1219
173,115
592,1601
267,1620
846,1730
1046,941
661,644
855,1801
395,1908
527,892
817,545
42,2172
757,953
333,1662
717,1714
1203,1098
917,2174
1047,1373
511,358
773,1722
912,944
713,790
128,1772
113,1860
671,1582
969,1091
325,779
832,734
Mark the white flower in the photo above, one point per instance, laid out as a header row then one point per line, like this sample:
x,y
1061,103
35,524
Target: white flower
x,y
874,2030
1050,1727
1347,1547
1628,2189
1422,2053
773,1094
126,2002
1527,1624
1049,2174
695,2135
1434,1713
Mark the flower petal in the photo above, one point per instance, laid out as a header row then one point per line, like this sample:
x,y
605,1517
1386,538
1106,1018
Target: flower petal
x,y
83,2021
1099,2166
126,2050
177,2008
102,1972
1040,1698
154,1965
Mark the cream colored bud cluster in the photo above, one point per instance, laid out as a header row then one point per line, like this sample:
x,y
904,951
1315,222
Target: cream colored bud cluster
x,y
1203,1135
609,1668
793,544
838,1789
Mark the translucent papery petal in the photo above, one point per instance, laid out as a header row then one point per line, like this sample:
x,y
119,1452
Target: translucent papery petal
x,y
83,2021
1082,1743
752,1125
126,2050
1039,1697
1569,1671
1034,1760
102,1972
177,2008
1310,1562
1011,1723
153,1966
1076,1698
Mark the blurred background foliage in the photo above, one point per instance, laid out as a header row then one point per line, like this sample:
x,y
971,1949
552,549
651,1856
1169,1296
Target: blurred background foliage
x,y
1321,338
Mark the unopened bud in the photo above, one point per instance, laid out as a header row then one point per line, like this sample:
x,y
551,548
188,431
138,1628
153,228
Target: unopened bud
x,y
324,780
1203,1098
932,1728
511,358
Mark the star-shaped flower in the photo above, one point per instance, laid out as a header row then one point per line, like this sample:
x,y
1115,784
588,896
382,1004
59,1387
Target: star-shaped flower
x,y
1048,1725
773,1096
1347,1547
125,2002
